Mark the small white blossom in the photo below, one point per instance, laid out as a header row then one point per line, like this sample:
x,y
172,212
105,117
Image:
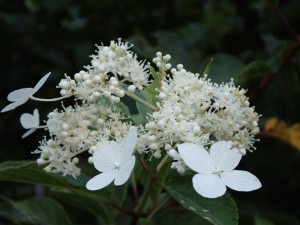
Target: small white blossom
x,y
215,169
162,61
110,67
75,130
31,122
192,109
114,161
20,96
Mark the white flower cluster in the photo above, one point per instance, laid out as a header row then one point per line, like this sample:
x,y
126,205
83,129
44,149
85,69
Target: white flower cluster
x,y
189,109
111,68
76,130
192,109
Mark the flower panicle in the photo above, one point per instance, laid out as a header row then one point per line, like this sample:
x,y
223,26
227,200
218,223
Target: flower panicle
x,y
185,110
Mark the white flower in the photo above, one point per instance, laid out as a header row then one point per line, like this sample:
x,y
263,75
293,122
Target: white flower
x,y
215,169
20,96
115,161
193,109
31,122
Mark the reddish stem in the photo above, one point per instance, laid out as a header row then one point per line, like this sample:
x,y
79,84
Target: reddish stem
x,y
286,57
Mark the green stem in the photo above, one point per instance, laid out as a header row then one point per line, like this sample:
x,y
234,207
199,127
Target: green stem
x,y
161,202
49,100
125,191
134,187
144,198
162,73
162,163
138,99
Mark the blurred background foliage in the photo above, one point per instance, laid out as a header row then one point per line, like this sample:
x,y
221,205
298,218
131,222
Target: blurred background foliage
x,y
254,41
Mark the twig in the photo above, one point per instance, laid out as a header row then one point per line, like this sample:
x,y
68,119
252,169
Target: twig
x,y
274,8
286,57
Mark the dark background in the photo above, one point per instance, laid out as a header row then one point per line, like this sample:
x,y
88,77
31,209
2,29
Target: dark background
x,y
39,36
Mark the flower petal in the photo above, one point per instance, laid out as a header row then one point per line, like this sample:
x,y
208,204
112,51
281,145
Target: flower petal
x,y
240,180
106,155
125,171
20,94
209,186
128,144
28,121
28,132
223,157
36,116
196,157
13,105
101,180
40,83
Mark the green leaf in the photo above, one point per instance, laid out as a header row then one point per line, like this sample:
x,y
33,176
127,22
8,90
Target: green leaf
x,y
182,216
92,202
276,49
120,105
71,190
138,119
123,108
252,73
35,211
149,94
29,172
150,91
219,211
258,220
271,43
224,67
142,109
208,67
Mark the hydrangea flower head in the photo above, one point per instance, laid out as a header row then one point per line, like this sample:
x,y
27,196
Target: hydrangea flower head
x,y
215,169
193,109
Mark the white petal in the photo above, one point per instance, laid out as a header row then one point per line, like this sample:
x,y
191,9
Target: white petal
x,y
106,155
27,120
28,132
101,180
40,83
240,180
209,186
223,157
128,144
13,105
125,171
36,116
196,157
20,94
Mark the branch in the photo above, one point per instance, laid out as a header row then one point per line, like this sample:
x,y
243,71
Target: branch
x,y
286,57
274,8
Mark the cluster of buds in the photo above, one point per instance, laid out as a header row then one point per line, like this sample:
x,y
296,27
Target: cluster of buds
x,y
189,109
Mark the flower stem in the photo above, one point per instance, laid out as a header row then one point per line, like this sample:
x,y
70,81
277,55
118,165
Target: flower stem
x,y
142,101
162,163
49,100
161,202
145,196
134,187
